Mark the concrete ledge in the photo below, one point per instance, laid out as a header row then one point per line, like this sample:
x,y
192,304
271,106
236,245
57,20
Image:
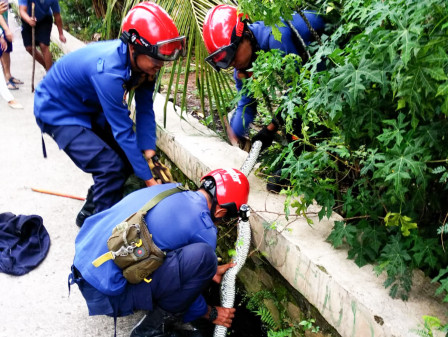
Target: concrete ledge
x,y
351,299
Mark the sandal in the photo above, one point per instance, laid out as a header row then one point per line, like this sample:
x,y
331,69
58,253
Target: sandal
x,y
11,86
15,80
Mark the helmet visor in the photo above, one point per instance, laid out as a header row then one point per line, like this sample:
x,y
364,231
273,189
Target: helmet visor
x,y
167,50
223,57
170,50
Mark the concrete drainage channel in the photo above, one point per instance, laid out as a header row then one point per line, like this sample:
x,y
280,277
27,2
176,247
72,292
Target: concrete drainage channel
x,y
352,300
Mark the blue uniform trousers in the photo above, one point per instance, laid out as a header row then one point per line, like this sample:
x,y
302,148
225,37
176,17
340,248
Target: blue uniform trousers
x,y
96,152
175,285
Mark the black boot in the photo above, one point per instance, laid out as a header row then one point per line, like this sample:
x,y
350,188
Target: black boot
x,y
156,323
275,183
185,330
87,209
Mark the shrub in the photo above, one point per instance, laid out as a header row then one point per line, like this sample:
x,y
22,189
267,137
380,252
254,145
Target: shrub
x,y
372,131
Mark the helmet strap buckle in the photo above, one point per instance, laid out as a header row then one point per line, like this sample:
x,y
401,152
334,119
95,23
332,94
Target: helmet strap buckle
x,y
125,37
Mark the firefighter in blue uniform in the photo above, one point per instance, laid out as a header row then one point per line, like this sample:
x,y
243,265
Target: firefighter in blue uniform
x,y
82,103
232,41
182,225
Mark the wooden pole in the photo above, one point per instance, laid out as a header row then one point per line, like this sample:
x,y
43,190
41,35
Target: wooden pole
x,y
57,194
33,46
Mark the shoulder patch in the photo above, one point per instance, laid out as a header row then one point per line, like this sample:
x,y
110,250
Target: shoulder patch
x,y
206,220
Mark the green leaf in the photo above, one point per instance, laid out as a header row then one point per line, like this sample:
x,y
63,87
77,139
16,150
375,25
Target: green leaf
x,y
443,279
439,169
374,237
445,106
436,73
373,159
406,40
432,322
395,261
341,232
327,208
396,133
361,252
442,90
426,252
401,103
402,221
353,79
399,164
442,272
276,33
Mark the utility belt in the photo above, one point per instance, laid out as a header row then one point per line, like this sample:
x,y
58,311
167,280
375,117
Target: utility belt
x,y
131,246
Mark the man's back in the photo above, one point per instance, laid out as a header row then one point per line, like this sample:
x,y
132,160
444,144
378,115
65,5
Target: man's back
x,y
177,220
265,38
81,82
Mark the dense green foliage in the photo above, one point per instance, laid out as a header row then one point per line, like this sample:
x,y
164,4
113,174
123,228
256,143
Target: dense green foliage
x,y
372,129
85,18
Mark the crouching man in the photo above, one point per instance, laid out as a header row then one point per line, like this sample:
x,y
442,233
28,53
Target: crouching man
x,y
182,226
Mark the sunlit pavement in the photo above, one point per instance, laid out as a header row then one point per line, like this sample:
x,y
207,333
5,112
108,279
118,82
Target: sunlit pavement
x,y
38,303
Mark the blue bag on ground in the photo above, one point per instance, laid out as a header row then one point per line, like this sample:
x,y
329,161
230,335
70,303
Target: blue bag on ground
x,y
24,243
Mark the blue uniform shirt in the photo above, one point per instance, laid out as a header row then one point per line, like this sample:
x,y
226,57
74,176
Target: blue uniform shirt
x,y
176,221
89,84
247,106
42,9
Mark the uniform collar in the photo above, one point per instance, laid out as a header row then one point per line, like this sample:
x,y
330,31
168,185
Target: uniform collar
x,y
124,51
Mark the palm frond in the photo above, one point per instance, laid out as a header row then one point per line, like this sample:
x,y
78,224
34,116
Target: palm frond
x,y
215,90
189,17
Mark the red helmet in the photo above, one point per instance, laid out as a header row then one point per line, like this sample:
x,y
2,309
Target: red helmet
x,y
230,189
152,31
222,31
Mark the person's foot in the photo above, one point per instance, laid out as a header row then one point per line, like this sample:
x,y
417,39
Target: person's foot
x,y
15,80
12,86
15,105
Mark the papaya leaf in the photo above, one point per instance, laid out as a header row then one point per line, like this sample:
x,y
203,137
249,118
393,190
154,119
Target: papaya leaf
x,y
396,132
361,252
395,260
426,252
341,231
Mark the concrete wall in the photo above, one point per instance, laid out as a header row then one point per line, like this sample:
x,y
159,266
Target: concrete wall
x,y
353,300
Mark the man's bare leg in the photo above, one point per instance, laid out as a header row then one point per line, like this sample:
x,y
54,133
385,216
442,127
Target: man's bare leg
x,y
6,64
48,59
38,55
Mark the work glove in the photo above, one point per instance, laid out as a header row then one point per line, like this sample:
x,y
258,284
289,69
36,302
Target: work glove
x,y
266,137
160,172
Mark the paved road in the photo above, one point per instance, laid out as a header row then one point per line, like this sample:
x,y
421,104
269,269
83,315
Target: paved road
x,y
38,304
